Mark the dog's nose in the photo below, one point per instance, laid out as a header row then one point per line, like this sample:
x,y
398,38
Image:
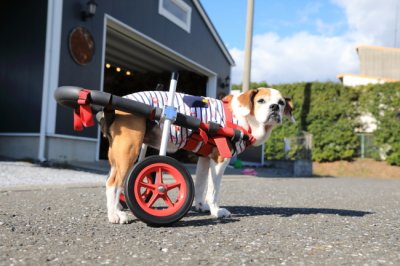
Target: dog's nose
x,y
274,107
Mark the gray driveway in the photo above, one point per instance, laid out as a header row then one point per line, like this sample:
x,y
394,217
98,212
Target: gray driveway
x,y
276,221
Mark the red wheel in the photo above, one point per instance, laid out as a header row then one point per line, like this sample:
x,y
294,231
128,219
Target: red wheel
x,y
164,199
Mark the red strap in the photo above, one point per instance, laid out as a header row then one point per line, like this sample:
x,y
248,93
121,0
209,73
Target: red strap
x,y
222,146
220,142
78,125
195,139
83,97
192,142
228,113
206,149
83,116
203,135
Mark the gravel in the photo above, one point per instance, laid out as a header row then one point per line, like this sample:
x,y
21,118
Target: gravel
x,y
27,174
276,221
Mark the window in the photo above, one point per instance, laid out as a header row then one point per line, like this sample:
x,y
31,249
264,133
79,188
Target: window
x,y
176,11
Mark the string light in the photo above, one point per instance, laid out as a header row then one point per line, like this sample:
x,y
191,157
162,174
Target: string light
x,y
118,69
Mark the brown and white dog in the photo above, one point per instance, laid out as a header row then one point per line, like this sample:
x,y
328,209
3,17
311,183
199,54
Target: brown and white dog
x,y
259,110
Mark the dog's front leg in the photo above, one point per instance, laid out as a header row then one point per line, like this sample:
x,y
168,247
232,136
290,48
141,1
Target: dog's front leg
x,y
216,170
203,165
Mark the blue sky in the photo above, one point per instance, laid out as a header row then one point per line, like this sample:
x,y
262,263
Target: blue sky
x,y
304,40
285,17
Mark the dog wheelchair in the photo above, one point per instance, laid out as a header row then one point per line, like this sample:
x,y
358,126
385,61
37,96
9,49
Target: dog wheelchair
x,y
158,190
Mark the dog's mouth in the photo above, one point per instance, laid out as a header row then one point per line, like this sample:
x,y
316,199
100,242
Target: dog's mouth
x,y
274,117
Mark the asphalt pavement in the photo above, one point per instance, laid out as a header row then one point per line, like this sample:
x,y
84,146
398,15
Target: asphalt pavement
x,y
58,217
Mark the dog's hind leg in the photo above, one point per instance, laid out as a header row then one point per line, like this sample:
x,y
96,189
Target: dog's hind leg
x,y
127,134
115,215
203,164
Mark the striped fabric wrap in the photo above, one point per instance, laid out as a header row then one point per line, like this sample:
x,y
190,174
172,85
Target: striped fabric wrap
x,y
212,112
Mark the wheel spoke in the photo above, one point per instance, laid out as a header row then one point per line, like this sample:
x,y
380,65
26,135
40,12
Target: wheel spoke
x,y
153,199
147,185
168,201
149,179
159,178
146,193
174,185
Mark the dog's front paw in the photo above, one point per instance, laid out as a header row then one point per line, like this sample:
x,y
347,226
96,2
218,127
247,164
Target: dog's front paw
x,y
202,207
220,213
118,217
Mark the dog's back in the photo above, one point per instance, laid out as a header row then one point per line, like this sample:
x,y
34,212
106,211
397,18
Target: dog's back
x,y
205,109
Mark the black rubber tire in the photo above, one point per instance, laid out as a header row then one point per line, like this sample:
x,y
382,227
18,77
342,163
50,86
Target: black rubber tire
x,y
123,204
141,213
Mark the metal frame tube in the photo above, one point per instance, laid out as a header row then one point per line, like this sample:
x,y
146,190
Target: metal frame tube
x,y
167,122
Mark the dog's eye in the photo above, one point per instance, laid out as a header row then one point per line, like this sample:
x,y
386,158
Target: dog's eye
x,y
281,102
261,101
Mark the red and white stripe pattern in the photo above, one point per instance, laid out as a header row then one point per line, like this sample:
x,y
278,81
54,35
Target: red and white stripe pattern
x,y
179,135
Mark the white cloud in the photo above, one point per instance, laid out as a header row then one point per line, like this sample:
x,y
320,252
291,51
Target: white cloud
x,y
309,57
301,57
375,19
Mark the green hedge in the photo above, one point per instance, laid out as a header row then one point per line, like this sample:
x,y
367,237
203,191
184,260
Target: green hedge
x,y
383,102
326,111
330,111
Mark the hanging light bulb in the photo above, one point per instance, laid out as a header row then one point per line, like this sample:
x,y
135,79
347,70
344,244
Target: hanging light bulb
x,y
118,69
128,73
108,65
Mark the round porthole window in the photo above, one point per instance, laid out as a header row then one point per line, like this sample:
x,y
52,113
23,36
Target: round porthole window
x,y
81,45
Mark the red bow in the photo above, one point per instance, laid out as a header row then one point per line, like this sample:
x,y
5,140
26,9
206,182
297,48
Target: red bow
x,y
83,116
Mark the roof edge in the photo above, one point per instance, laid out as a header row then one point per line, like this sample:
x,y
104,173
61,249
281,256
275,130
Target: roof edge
x,y
213,31
341,76
377,47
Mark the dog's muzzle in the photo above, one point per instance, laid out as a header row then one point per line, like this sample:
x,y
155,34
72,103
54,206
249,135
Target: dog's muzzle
x,y
274,117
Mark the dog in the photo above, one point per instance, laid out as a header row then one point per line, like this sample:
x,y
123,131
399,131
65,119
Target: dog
x,y
258,111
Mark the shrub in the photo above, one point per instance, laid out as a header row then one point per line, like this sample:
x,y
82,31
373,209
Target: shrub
x,y
383,102
330,112
326,110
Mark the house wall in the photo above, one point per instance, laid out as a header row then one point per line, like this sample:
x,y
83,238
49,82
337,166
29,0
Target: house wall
x,y
22,53
199,45
23,62
354,80
379,62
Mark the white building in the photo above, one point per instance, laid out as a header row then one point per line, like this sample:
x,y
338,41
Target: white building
x,y
378,65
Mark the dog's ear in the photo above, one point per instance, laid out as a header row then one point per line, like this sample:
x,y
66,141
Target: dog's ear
x,y
246,102
288,109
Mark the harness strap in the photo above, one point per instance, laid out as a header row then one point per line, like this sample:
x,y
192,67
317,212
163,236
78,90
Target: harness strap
x,y
223,147
229,122
221,142
83,116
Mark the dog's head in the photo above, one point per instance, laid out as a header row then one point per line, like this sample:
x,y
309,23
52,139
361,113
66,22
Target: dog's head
x,y
266,105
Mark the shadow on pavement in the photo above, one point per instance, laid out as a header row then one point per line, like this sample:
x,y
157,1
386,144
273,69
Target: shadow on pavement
x,y
248,211
242,211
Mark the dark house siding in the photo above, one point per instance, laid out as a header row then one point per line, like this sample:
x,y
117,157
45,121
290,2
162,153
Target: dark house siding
x,y
142,15
22,54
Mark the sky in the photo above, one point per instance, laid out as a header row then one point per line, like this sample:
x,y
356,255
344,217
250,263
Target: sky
x,y
304,40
